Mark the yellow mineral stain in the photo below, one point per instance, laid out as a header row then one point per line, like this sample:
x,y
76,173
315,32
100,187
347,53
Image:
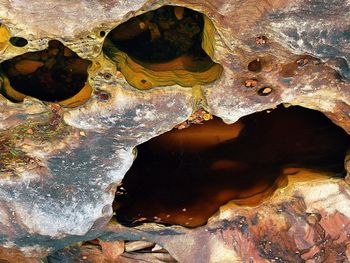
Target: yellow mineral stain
x,y
4,37
209,33
10,92
185,70
78,99
164,74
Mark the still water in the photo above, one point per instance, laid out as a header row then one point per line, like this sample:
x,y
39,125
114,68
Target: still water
x,y
183,176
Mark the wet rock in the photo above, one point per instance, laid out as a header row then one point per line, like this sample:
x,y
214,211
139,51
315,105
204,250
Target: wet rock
x,y
57,186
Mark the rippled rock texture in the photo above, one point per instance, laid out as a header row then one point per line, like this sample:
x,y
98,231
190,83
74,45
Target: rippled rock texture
x,y
83,83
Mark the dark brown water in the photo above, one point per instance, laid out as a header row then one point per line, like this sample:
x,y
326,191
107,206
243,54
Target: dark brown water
x,y
54,74
184,176
163,35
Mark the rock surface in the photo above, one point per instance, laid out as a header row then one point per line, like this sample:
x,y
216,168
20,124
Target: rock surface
x,y
57,181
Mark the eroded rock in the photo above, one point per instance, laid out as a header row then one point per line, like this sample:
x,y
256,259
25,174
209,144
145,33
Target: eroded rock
x,y
60,166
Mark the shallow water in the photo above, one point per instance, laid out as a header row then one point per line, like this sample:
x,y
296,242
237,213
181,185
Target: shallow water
x,y
184,176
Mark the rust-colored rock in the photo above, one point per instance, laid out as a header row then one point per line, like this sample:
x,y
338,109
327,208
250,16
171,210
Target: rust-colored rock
x,y
61,163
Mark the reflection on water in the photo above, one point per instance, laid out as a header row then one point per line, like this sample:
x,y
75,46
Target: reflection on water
x,y
159,36
54,74
184,176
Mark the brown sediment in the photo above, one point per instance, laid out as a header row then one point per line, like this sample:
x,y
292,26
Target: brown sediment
x,y
188,174
55,74
255,65
168,46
